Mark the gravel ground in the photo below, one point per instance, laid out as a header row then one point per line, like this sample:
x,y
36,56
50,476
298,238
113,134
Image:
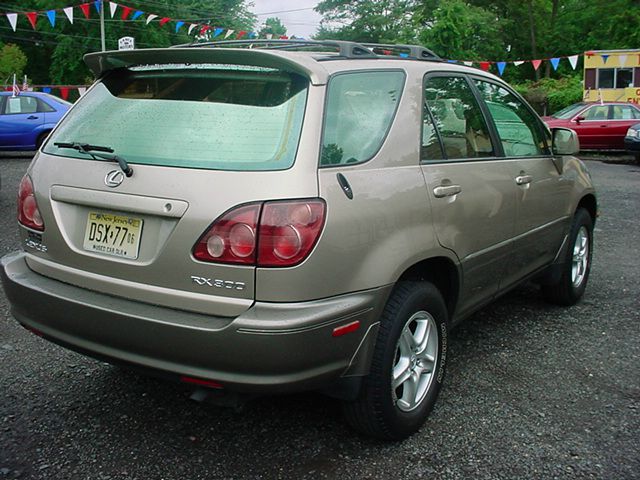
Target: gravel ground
x,y
533,391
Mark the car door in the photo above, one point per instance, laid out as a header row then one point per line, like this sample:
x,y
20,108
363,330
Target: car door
x,y
19,121
471,193
541,189
591,126
622,117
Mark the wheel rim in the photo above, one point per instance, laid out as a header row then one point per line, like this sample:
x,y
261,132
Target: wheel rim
x,y
414,362
580,259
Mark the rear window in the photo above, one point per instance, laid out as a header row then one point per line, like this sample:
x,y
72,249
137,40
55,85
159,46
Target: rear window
x,y
222,117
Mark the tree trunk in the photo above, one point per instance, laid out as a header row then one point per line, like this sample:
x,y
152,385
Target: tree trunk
x,y
552,35
534,48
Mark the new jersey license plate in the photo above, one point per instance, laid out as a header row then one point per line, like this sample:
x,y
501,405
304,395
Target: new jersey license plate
x,y
113,235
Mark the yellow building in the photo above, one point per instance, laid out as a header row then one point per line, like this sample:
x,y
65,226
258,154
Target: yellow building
x,y
612,76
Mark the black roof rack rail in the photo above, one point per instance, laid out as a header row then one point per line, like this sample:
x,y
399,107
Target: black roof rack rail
x,y
343,48
414,52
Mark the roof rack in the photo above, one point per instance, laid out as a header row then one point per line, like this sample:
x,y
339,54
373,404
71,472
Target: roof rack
x,y
344,49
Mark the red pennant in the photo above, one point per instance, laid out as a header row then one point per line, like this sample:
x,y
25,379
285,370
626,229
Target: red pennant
x,y
485,66
164,21
85,10
536,64
204,29
284,37
64,92
33,18
241,34
125,12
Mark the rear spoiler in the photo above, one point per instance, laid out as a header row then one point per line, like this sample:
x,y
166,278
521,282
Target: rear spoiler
x,y
102,62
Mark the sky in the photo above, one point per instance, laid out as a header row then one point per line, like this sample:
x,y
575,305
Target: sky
x,y
302,23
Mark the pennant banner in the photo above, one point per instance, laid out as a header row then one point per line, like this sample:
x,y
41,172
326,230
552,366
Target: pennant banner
x,y
13,20
501,66
573,60
33,18
554,63
536,64
623,60
69,13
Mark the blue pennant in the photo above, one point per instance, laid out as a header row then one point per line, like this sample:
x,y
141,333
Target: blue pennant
x,y
46,89
98,5
253,35
605,58
217,32
137,15
555,62
501,66
178,25
52,17
452,61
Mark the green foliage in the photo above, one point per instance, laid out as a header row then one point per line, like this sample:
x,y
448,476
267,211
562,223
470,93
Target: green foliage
x,y
550,95
273,26
12,60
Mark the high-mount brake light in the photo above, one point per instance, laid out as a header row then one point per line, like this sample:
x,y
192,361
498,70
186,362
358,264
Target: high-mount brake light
x,y
28,211
269,234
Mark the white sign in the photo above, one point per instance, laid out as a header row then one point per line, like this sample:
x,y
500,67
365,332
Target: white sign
x,y
126,43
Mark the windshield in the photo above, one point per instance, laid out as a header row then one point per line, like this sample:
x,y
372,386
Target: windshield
x,y
222,117
569,111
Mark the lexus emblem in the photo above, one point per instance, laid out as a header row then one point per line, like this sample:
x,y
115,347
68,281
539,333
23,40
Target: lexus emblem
x,y
114,178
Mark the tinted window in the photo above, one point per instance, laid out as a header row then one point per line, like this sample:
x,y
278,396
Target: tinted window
x,y
44,107
519,130
600,112
20,104
624,78
431,146
224,117
605,77
359,112
624,112
458,118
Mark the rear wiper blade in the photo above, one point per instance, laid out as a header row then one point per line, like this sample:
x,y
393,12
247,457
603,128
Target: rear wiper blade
x,y
98,152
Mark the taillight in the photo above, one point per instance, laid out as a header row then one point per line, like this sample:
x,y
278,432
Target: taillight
x,y
28,212
269,234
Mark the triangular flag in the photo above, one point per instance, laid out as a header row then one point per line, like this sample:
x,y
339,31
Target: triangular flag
x,y
112,8
536,64
46,89
137,15
269,36
64,92
13,20
191,27
69,13
164,20
151,17
517,63
452,61
555,62
217,32
85,10
253,35
623,60
33,18
605,57
573,60
229,33
501,66
284,37
98,5
51,15
485,66
125,12
468,64
241,34
82,90
204,29
178,25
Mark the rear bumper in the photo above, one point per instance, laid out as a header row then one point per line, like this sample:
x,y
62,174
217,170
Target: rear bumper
x,y
271,348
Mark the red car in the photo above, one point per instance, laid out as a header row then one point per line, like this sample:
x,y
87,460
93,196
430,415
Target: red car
x,y
598,125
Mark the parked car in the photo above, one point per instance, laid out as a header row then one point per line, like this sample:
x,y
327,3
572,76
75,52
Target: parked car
x,y
600,126
27,119
632,141
276,219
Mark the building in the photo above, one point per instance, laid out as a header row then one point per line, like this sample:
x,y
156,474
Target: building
x,y
612,76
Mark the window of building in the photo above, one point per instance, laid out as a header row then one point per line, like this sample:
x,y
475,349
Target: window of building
x,y
624,77
606,77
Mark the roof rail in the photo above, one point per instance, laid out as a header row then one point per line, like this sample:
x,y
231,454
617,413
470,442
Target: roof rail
x,y
343,48
414,52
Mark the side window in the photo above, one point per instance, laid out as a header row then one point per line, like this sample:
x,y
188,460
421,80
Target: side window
x,y
20,104
44,106
624,112
599,112
458,118
359,112
519,130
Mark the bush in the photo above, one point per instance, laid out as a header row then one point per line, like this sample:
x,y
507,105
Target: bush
x,y
549,95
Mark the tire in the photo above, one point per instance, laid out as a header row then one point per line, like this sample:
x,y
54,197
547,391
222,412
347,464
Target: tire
x,y
393,414
41,138
577,263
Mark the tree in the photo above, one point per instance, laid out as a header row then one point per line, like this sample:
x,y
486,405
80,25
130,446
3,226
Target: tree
x,y
12,61
273,26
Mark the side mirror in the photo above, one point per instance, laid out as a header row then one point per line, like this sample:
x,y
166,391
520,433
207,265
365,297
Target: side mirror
x,y
580,119
564,141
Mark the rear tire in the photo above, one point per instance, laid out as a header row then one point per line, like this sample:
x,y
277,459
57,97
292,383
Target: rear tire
x,y
41,138
577,263
408,365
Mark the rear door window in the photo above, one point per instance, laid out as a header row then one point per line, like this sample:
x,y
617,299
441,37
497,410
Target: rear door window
x,y
224,117
20,104
359,112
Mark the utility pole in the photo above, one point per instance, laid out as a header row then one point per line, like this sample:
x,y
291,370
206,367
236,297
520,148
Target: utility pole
x,y
102,25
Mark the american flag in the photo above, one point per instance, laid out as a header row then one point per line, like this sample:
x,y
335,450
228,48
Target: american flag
x,y
25,84
16,89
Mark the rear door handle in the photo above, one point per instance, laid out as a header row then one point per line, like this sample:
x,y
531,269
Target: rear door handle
x,y
446,191
524,179
32,117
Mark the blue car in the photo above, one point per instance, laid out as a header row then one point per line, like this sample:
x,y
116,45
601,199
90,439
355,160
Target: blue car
x,y
27,119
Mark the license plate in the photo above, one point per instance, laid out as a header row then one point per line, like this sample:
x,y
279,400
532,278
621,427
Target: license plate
x,y
113,235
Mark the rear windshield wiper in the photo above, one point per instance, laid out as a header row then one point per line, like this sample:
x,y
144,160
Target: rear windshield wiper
x,y
98,152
